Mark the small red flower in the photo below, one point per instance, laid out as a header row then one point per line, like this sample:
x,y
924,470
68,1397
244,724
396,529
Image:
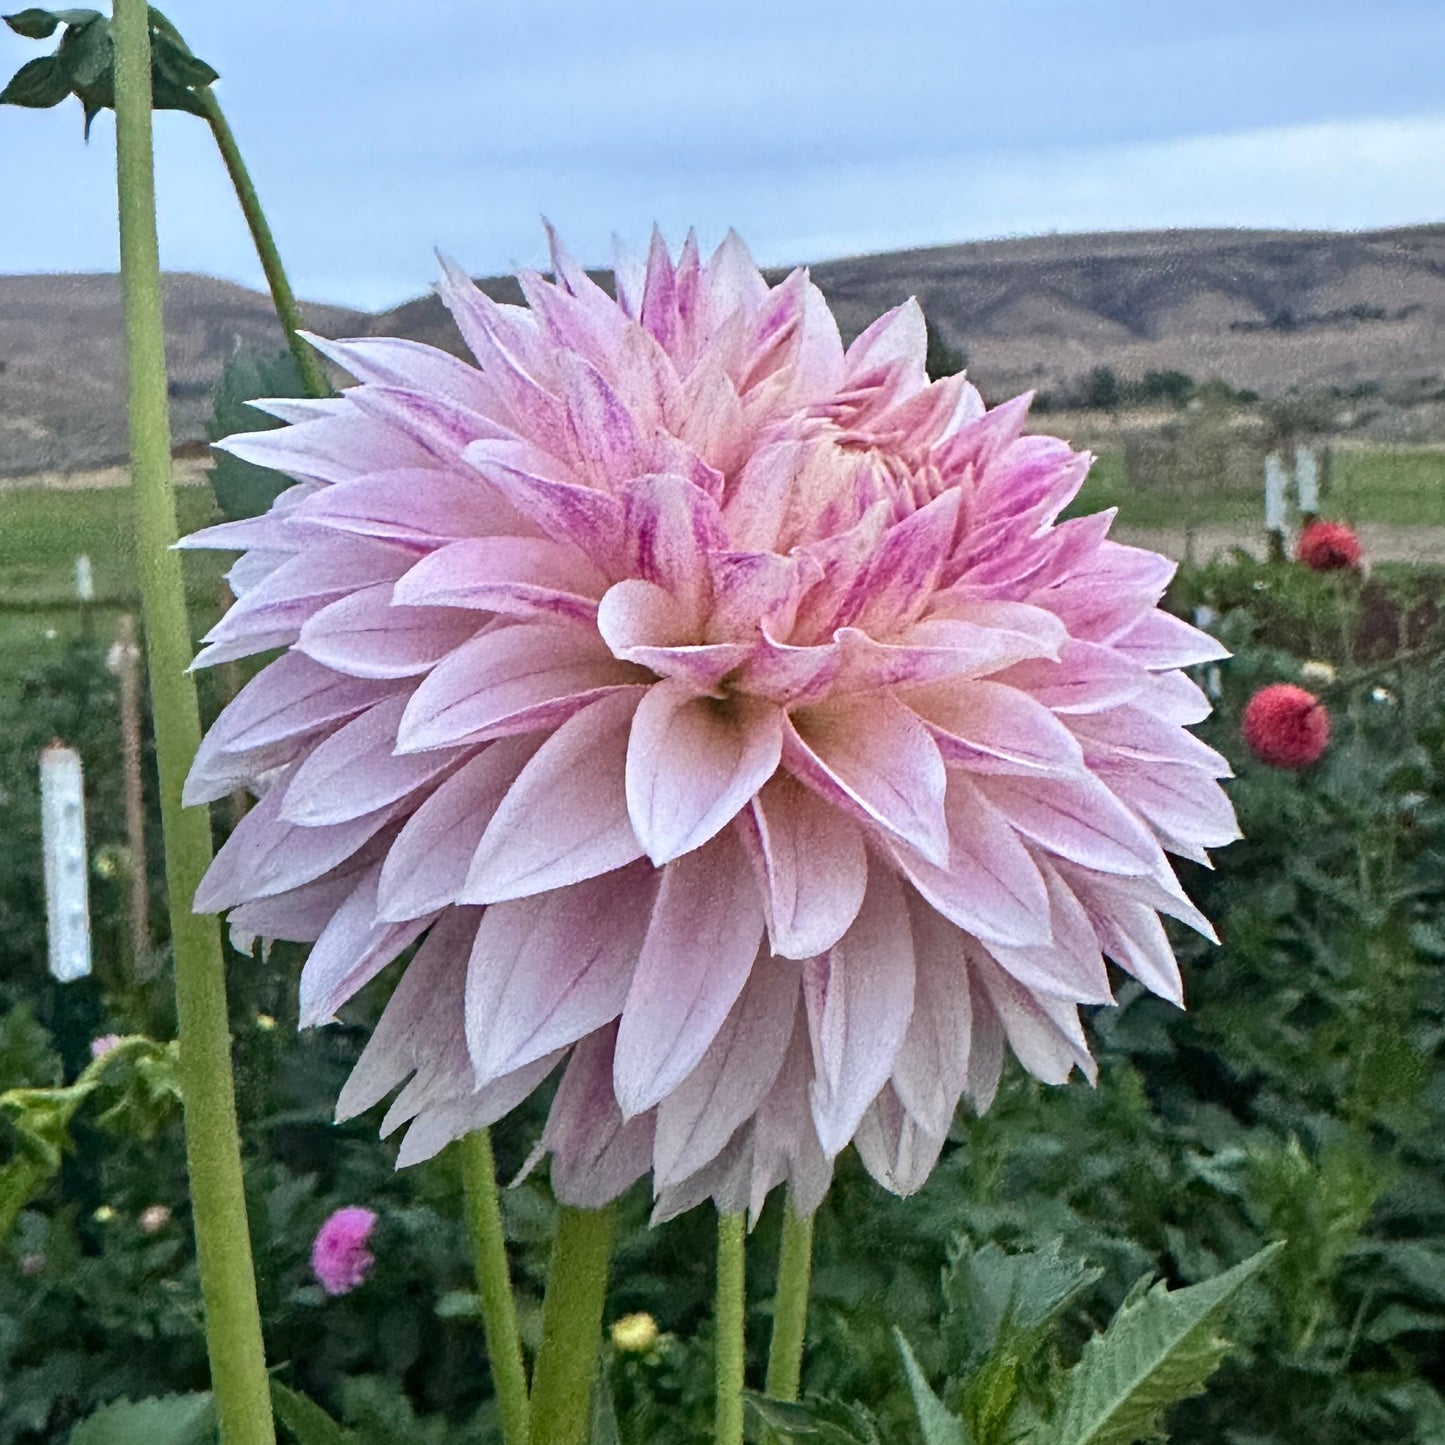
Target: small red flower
x,y
1285,726
1328,547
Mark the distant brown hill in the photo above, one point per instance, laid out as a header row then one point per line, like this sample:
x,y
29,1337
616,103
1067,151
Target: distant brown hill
x,y
1362,313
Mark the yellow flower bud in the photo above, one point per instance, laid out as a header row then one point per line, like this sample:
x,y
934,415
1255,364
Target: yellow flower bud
x,y
634,1333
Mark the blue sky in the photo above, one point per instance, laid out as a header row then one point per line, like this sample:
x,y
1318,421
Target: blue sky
x,y
377,131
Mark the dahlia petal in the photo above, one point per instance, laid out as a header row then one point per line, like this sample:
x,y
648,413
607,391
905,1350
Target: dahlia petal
x,y
753,591
426,1003
438,1124
1133,936
440,428
698,1117
894,344
411,365
785,1139
565,817
1044,1032
355,772
1077,818
1131,734
758,500
596,1153
286,703
1178,801
731,280
1069,966
989,727
604,434
523,577
547,970
693,762
931,1069
815,868
271,529
420,507
1162,642
659,293
929,652
298,915
873,757
895,1149
859,999
905,571
644,624
266,855
985,1052
1176,699
367,635
354,947
1159,890
992,886
536,485
1086,678
334,448
511,679
726,1178
671,527
429,859
701,942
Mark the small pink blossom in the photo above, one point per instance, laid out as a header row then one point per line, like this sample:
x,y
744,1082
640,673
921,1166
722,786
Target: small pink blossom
x,y
153,1218
339,1256
101,1046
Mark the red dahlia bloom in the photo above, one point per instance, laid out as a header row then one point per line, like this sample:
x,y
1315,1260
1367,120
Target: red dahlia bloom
x,y
1286,727
1328,547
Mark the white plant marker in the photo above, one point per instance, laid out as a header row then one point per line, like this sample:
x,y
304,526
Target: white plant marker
x,y
84,578
1274,489
1307,480
67,894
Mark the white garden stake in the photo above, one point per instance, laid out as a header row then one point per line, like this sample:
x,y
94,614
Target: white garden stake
x,y
67,900
1307,480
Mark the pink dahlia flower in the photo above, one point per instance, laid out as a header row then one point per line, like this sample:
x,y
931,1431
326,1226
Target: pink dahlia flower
x,y
1286,727
340,1259
1328,547
724,713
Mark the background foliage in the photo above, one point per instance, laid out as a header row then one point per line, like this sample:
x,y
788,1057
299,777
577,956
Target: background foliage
x,y
1300,1098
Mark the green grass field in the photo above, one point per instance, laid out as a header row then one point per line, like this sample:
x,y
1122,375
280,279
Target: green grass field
x,y
1399,488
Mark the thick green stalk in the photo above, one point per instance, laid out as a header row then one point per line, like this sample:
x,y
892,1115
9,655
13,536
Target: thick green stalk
x,y
571,1327
213,1150
729,1311
313,376
494,1283
790,1308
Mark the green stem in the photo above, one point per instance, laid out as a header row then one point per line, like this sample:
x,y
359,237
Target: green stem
x,y
213,1147
730,1309
313,377
790,1308
499,1307
571,1327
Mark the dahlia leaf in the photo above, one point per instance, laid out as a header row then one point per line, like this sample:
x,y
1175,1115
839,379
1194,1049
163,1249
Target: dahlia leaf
x,y
37,85
1159,1348
306,1421
161,1420
939,1426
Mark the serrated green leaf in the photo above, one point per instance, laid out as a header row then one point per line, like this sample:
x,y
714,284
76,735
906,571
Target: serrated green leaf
x,y
37,85
1159,1348
166,1420
34,23
308,1423
816,1421
938,1425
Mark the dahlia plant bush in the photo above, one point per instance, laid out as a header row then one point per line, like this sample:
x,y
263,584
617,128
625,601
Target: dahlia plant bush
x,y
729,740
